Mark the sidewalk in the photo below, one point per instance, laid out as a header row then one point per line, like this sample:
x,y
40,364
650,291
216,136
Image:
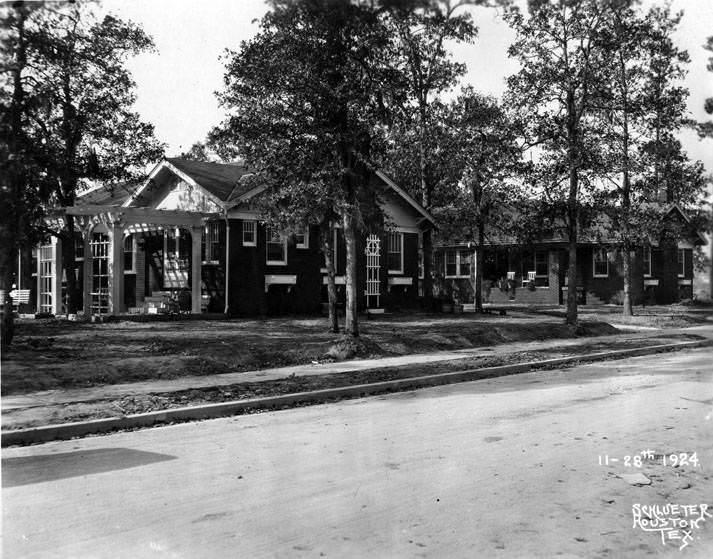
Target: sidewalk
x,y
97,393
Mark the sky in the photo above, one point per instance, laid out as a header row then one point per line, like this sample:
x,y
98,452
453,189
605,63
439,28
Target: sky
x,y
176,82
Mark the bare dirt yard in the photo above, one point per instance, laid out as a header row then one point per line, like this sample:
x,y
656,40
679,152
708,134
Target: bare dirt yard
x,y
55,354
660,316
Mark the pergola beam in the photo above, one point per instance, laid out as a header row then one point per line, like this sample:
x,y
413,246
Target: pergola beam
x,y
142,216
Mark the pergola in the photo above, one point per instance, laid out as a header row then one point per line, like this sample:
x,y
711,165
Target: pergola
x,y
116,221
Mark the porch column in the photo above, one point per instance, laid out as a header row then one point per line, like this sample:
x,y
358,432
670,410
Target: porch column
x,y
196,237
57,275
87,272
116,268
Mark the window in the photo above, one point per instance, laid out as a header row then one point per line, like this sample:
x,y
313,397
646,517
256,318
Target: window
x,y
276,249
451,263
681,263
601,263
100,273
646,261
458,263
396,253
249,233
210,245
129,254
542,267
78,247
465,258
46,253
302,238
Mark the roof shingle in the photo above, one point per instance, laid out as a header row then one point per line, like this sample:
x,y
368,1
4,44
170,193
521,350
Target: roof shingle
x,y
220,179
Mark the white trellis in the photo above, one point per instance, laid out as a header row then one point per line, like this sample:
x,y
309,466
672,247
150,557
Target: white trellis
x,y
373,267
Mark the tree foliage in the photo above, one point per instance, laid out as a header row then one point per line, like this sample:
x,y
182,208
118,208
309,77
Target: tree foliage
x,y
555,94
483,163
78,107
309,99
706,128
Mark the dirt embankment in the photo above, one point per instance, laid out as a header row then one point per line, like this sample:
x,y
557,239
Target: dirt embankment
x,y
54,354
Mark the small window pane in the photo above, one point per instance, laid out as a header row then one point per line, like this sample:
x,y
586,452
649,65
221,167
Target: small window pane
x,y
451,263
647,261
302,238
249,233
276,248
78,247
601,263
465,261
395,252
129,253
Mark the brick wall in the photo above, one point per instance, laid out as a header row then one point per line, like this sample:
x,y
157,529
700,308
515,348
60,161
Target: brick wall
x,y
248,268
403,296
247,273
667,289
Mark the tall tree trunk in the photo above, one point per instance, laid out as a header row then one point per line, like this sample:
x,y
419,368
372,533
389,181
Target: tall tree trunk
x,y
11,231
68,189
351,325
478,264
328,249
74,301
427,248
425,201
423,154
572,207
8,323
572,270
626,270
627,309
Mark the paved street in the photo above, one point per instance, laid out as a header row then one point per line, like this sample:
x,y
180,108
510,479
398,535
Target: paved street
x,y
507,467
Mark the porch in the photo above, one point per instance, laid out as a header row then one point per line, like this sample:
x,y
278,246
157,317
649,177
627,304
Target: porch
x,y
114,261
509,274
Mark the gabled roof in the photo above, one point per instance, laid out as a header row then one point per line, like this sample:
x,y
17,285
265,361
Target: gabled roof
x,y
405,195
597,232
247,193
220,179
113,195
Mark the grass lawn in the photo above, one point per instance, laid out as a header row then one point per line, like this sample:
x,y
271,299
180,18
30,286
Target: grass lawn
x,y
50,353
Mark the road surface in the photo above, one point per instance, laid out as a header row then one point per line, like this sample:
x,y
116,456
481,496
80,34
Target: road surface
x,y
507,467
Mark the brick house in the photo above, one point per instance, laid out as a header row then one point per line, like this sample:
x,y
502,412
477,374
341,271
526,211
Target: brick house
x,y
536,274
190,238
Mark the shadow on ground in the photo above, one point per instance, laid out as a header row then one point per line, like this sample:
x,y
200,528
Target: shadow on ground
x,y
26,470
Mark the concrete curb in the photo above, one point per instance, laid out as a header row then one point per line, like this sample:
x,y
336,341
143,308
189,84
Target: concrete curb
x,y
66,431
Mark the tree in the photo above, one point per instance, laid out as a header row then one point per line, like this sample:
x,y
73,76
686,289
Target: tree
x,y
308,99
483,159
423,29
86,128
706,128
629,42
554,92
199,151
23,188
